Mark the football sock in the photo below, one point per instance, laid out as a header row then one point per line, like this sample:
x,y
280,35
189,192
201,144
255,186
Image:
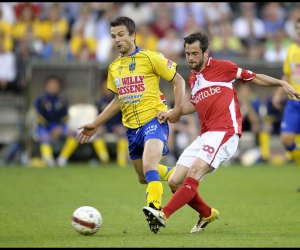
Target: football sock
x,y
182,196
165,172
198,204
101,150
122,152
154,191
294,152
46,150
47,154
69,147
297,140
264,144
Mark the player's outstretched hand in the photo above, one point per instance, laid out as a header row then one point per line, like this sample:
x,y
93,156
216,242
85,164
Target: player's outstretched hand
x,y
291,91
88,130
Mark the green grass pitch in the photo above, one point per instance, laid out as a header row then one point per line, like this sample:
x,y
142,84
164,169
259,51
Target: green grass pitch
x,y
259,207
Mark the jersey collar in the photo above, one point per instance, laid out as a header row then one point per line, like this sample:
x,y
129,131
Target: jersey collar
x,y
137,49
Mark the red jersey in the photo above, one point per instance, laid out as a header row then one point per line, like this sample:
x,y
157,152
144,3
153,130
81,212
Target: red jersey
x,y
215,98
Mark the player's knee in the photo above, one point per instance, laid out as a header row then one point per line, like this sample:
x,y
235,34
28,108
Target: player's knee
x,y
287,139
173,184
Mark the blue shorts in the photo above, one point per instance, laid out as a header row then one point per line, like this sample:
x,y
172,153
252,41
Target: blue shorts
x,y
44,133
138,137
291,117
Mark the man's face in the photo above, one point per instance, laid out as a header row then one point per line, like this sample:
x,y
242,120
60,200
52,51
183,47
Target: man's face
x,y
122,40
194,55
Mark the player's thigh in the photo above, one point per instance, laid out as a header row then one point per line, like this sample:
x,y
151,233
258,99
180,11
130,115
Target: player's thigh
x,y
138,167
152,154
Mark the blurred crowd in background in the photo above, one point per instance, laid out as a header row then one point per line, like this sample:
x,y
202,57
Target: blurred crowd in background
x,y
80,31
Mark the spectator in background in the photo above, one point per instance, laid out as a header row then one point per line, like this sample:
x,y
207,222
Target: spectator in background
x,y
54,24
26,20
58,49
141,12
276,47
83,43
217,16
7,69
163,21
184,12
250,30
6,33
289,25
86,53
225,44
273,16
52,115
28,48
145,38
35,9
8,12
113,126
170,45
105,49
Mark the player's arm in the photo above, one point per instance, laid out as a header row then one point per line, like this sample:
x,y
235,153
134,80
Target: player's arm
x,y
188,108
179,92
267,81
90,129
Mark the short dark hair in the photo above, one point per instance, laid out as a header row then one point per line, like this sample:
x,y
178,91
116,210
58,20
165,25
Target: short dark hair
x,y
126,21
56,78
200,36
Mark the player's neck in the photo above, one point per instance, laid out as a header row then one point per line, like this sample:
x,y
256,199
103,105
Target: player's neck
x,y
132,50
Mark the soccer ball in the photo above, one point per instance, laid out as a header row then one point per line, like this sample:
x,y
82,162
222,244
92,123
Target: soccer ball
x,y
86,220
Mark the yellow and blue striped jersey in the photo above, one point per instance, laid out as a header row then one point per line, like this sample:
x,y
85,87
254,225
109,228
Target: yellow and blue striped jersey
x,y
135,79
291,66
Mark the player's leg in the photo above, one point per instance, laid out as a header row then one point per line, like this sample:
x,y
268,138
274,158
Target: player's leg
x,y
290,126
68,148
210,151
122,152
101,150
44,137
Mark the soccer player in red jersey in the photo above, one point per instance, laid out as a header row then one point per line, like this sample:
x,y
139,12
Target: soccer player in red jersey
x,y
214,98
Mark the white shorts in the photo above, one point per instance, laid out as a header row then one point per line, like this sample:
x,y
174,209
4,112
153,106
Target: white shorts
x,y
212,147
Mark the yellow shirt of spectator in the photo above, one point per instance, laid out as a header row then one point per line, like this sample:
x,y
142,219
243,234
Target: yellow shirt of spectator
x,y
49,28
291,66
76,43
6,35
135,79
19,29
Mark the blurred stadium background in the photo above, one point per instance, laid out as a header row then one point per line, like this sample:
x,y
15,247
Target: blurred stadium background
x,y
72,40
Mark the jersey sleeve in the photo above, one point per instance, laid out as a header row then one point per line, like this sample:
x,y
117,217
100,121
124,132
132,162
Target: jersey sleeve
x,y
163,67
245,75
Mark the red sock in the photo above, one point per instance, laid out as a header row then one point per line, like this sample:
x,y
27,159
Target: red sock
x,y
200,206
182,196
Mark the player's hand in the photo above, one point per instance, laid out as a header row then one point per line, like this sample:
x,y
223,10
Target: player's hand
x,y
162,116
88,130
174,115
291,91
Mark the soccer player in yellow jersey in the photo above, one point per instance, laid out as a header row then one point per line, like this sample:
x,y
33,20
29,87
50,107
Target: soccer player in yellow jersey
x,y
290,125
134,77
